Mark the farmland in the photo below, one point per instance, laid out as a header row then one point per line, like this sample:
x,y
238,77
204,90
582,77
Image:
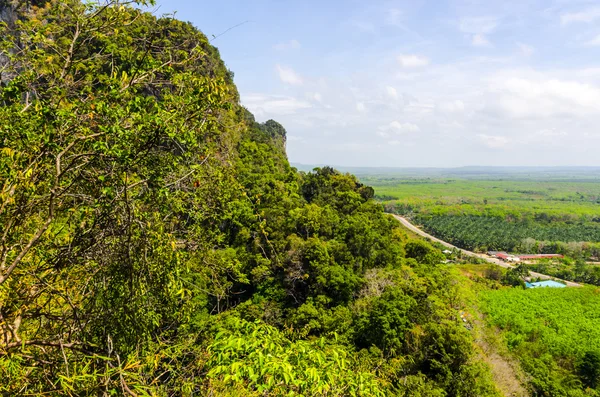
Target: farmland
x,y
555,333
567,200
525,212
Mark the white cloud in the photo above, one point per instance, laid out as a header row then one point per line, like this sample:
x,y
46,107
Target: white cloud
x,y
479,40
394,142
550,132
391,92
412,61
288,45
402,128
586,16
520,97
465,106
397,128
493,141
288,75
550,136
478,28
449,107
359,147
314,96
478,25
525,49
266,105
593,42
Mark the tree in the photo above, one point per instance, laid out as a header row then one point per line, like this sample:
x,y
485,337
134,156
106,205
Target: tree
x,y
387,322
257,358
589,369
493,272
423,252
112,156
515,276
276,132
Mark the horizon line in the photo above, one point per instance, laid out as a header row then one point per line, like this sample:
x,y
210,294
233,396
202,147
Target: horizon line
x,y
444,167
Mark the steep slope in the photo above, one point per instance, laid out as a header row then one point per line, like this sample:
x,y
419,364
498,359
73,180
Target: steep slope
x,y
156,241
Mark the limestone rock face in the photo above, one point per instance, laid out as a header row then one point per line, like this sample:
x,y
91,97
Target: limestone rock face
x,y
275,132
8,14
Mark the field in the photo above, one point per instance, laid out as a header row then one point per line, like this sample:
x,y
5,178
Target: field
x,y
528,211
555,333
566,199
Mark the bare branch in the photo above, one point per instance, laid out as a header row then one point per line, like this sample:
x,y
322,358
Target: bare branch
x,y
69,59
231,28
25,250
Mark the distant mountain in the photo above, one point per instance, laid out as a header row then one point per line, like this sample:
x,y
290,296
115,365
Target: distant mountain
x,y
469,172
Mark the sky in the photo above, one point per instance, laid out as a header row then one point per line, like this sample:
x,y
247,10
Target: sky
x,y
416,83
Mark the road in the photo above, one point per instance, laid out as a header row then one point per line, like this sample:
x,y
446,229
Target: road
x,y
495,261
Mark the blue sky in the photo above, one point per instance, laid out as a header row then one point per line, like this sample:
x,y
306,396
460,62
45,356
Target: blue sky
x,y
416,83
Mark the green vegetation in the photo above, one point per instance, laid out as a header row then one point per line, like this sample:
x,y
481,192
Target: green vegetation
x,y
552,332
482,233
513,213
576,270
555,333
155,241
254,356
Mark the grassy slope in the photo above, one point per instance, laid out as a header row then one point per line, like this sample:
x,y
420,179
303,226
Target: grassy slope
x,y
507,374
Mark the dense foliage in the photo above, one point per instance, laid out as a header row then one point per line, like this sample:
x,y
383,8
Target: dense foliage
x,y
574,270
156,241
555,333
476,232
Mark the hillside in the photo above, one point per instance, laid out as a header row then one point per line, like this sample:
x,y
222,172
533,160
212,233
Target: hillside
x,y
156,241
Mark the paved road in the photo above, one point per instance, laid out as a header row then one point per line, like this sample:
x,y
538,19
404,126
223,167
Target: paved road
x,y
495,261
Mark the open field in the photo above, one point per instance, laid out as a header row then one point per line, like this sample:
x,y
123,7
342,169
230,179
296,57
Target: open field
x,y
567,199
469,172
525,212
554,333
